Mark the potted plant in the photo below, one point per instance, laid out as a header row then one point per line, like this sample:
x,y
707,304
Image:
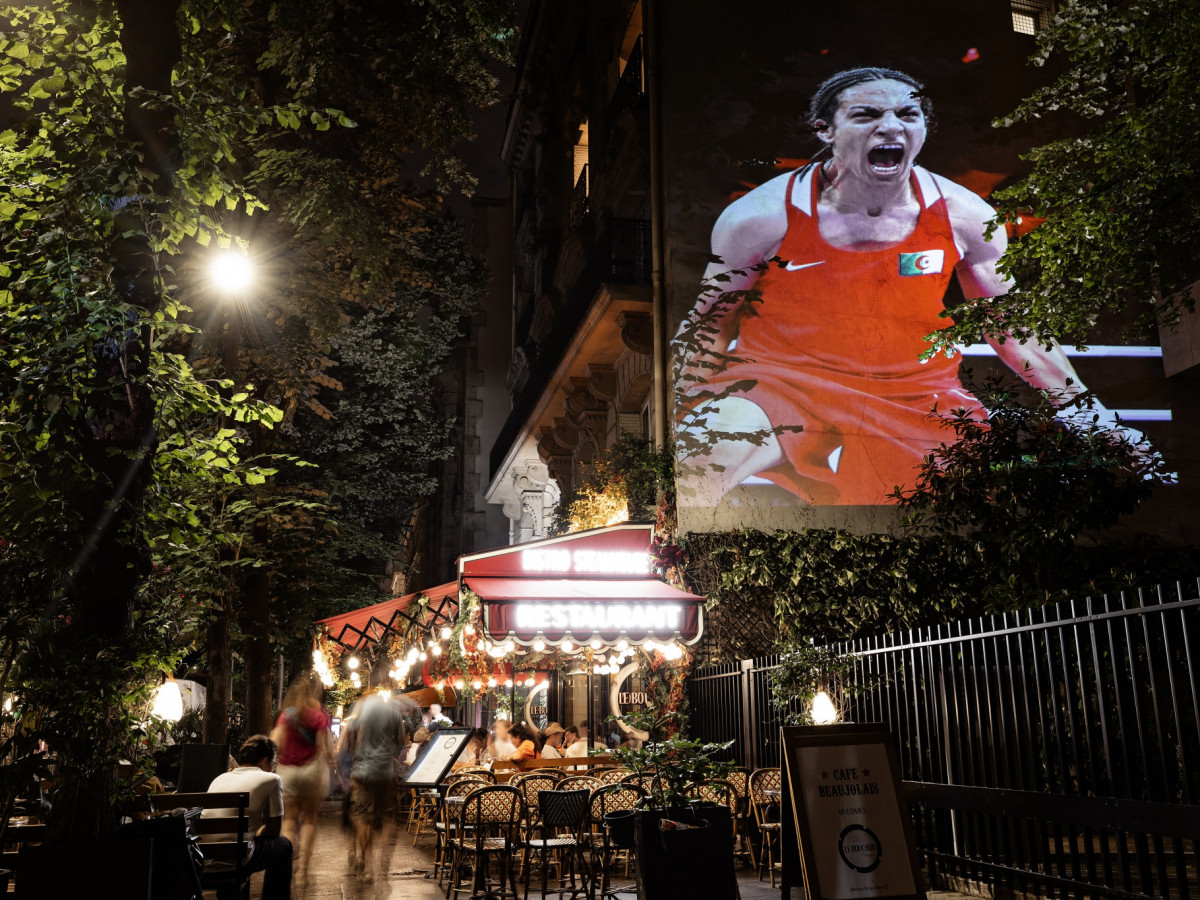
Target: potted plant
x,y
684,847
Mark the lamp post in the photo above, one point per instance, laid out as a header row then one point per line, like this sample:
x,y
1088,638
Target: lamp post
x,y
230,275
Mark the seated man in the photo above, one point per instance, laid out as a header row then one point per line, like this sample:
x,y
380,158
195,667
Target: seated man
x,y
269,850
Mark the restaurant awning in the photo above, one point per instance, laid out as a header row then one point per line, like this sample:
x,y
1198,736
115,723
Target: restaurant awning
x,y
372,624
591,585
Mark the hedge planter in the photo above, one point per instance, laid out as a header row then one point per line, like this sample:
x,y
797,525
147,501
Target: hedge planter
x,y
685,864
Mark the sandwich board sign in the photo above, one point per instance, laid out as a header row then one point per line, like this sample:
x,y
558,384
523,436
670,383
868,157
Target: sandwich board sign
x,y
853,827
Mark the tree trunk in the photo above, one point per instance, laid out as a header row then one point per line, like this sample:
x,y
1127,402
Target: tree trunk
x,y
256,644
216,710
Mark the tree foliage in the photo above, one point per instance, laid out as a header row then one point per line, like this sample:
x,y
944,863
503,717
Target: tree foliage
x,y
1121,198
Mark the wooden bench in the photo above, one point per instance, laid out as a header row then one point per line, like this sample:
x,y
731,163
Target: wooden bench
x,y
224,861
505,769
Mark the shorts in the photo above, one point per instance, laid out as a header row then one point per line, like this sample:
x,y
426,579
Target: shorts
x,y
370,801
305,785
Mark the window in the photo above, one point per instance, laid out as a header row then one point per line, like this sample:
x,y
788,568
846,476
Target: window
x,y
1030,16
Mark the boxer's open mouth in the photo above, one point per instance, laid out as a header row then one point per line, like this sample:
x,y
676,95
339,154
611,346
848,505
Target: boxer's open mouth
x,y
886,158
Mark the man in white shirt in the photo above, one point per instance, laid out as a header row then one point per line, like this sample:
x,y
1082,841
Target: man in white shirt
x,y
553,734
270,852
576,746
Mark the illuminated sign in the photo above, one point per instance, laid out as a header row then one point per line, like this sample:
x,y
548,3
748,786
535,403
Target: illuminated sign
x,y
592,562
589,617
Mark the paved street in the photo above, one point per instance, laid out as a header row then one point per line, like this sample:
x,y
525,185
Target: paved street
x,y
409,871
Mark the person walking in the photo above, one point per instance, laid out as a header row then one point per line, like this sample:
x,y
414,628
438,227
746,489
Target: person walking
x,y
379,738
305,752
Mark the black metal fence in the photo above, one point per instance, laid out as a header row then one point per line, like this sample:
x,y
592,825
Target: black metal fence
x,y
1054,751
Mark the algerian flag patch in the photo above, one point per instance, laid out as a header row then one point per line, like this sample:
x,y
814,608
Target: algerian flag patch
x,y
926,262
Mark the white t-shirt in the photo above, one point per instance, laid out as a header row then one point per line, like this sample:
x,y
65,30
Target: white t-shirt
x,y
549,752
504,749
579,748
266,799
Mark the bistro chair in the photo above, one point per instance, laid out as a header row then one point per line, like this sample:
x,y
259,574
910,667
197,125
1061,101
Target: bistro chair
x,y
489,829
613,776
447,827
530,786
575,782
606,799
483,771
722,793
561,817
766,816
430,811
742,820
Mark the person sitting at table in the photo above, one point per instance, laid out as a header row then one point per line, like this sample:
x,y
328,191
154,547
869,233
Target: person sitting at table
x,y
526,748
576,745
269,851
501,746
419,739
552,734
475,746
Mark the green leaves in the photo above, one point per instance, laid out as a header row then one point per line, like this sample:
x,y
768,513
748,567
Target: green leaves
x,y
1120,194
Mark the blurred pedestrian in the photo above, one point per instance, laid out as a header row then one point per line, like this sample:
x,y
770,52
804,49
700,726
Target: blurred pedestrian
x,y
305,752
379,738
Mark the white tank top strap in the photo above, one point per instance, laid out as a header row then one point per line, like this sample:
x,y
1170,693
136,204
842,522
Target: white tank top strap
x,y
927,187
802,192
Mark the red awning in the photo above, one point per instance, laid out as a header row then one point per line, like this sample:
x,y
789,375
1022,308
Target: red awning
x,y
371,623
608,608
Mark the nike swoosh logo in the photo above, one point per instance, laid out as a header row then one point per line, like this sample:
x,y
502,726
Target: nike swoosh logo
x,y
796,267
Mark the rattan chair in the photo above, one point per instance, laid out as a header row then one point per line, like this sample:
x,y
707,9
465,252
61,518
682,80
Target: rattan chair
x,y
613,776
743,819
574,782
489,829
766,817
561,817
447,827
606,799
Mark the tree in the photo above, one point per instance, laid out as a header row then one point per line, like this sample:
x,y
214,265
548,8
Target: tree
x,y
1121,198
1024,484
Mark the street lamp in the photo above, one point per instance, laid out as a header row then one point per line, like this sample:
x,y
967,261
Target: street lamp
x,y
231,272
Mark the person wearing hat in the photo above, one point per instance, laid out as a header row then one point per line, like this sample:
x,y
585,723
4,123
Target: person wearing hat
x,y
553,734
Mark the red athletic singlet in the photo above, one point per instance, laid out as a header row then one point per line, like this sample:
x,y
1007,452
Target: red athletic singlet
x,y
835,346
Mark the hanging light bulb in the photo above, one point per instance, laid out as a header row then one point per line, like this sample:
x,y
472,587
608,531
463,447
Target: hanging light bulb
x,y
510,646
539,645
823,710
491,682
622,645
508,682
649,646
469,629
168,702
352,663
447,631
596,669
423,656
596,644
568,647
458,684
477,684
412,653
437,650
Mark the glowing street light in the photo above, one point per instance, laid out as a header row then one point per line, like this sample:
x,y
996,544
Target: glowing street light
x,y
231,272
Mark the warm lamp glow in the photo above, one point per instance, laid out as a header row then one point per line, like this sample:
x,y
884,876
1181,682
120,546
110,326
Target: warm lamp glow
x,y
823,710
168,701
446,633
352,663
231,272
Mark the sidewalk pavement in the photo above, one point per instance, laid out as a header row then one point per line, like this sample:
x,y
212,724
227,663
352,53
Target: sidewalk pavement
x,y
409,872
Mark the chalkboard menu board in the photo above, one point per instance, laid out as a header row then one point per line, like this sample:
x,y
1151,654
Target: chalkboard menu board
x,y
852,823
437,756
